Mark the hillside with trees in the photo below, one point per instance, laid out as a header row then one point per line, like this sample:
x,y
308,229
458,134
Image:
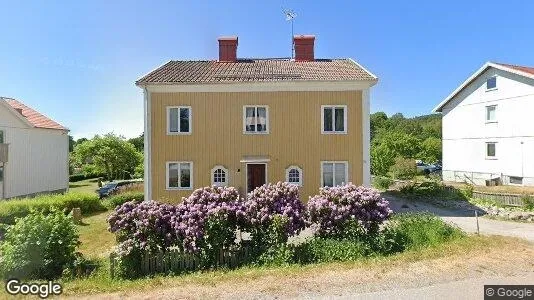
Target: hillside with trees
x,y
407,138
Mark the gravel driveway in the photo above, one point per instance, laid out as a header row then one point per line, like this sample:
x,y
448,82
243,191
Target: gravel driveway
x,y
465,219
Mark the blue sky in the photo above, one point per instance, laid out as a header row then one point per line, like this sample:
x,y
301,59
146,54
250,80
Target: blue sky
x,y
76,61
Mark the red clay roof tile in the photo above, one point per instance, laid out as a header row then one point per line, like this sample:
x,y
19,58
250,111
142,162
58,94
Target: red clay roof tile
x,y
34,117
256,70
529,70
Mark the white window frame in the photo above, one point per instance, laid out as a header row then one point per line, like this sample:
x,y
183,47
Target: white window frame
x,y
486,150
486,83
225,170
299,183
267,123
323,107
169,132
486,113
167,164
334,171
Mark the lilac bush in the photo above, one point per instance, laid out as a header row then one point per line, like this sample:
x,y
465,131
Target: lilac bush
x,y
145,226
335,207
218,204
277,204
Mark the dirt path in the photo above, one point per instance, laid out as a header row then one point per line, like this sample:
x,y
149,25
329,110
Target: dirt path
x,y
465,219
458,275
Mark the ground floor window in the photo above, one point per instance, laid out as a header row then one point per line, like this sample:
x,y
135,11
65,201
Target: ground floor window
x,y
219,176
334,173
516,180
294,175
180,175
491,150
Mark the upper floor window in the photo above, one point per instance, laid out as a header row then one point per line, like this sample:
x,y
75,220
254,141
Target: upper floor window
x,y
256,119
180,175
334,119
179,120
219,176
1,136
491,83
334,173
491,150
294,175
491,113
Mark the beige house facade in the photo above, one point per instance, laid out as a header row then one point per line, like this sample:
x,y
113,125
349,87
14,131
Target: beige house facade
x,y
246,122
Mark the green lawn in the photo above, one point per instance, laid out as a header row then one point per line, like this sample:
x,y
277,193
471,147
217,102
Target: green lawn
x,y
100,282
84,186
97,241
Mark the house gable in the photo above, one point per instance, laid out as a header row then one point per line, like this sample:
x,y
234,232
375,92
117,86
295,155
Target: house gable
x,y
476,84
9,117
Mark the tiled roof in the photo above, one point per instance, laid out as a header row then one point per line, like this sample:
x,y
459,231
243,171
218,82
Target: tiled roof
x,y
35,118
256,70
519,68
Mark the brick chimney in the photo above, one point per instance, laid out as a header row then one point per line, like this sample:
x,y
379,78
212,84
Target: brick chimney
x,y
304,47
227,48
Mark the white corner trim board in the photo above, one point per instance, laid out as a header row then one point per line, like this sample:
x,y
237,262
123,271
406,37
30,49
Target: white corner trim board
x,y
147,147
366,138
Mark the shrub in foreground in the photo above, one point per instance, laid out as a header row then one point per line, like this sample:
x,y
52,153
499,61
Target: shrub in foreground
x,y
17,208
144,227
338,209
416,230
39,246
274,212
208,219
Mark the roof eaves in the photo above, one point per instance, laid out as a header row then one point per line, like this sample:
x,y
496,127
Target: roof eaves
x,y
487,65
363,68
139,82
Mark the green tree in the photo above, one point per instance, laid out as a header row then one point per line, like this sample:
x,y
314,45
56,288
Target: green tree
x,y
138,142
431,150
109,154
378,122
71,143
382,158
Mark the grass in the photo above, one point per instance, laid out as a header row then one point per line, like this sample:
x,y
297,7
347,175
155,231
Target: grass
x,y
84,186
97,241
102,283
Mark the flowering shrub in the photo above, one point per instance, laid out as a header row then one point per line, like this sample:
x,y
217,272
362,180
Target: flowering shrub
x,y
336,210
275,207
209,207
145,226
39,246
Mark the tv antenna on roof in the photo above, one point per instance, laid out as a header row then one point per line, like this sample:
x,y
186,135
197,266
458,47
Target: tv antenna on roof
x,y
290,15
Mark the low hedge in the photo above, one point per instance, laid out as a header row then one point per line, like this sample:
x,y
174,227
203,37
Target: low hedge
x,y
80,177
18,208
115,200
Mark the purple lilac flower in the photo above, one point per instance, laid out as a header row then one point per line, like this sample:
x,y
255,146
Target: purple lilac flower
x,y
335,205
